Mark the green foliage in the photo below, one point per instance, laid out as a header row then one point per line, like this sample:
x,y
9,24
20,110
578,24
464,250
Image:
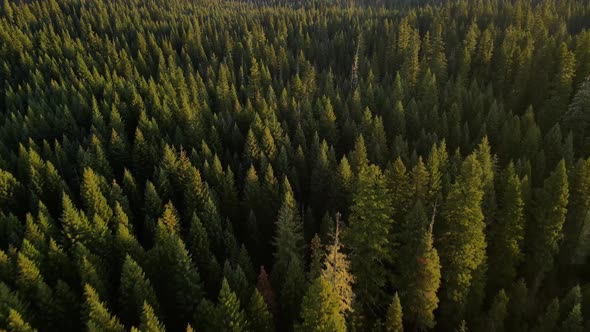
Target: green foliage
x,y
462,241
258,314
148,321
233,317
98,316
420,270
367,236
393,317
320,310
172,136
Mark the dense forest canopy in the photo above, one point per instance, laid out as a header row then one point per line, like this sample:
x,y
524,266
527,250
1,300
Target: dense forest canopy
x,y
310,166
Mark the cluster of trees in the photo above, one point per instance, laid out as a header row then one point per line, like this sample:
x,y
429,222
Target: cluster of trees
x,y
318,166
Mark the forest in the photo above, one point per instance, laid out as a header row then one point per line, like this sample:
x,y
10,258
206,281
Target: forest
x,y
309,165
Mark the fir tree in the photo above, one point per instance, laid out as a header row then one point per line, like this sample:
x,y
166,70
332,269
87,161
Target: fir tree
x,y
393,318
320,310
98,316
234,318
367,236
149,321
462,240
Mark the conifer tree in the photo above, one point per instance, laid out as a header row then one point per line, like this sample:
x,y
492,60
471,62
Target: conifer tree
x,y
16,322
420,270
98,316
315,264
575,247
393,318
574,321
399,183
259,315
149,321
497,312
337,271
462,240
367,236
547,231
320,310
548,320
288,239
179,290
234,318
135,290
507,233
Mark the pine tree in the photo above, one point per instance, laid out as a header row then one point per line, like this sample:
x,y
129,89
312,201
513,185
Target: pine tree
x,y
179,290
546,232
233,317
420,270
367,236
393,318
292,291
575,247
149,321
419,179
135,290
315,264
337,271
288,239
548,321
259,315
98,316
320,310
507,233
17,324
497,312
462,240
399,183
199,247
574,321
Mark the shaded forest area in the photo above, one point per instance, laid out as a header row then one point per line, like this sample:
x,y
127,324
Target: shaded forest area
x,y
207,165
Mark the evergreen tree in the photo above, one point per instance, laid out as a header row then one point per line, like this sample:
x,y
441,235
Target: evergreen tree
x,y
320,310
259,315
576,228
337,271
17,324
149,321
507,233
367,236
233,317
546,233
462,241
548,320
135,290
98,316
393,318
179,290
420,271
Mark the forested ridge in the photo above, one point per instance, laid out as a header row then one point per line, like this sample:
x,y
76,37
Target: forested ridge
x,y
318,165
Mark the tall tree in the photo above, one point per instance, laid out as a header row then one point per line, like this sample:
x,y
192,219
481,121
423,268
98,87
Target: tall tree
x,y
546,232
337,271
507,233
420,270
461,241
368,236
233,317
320,310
